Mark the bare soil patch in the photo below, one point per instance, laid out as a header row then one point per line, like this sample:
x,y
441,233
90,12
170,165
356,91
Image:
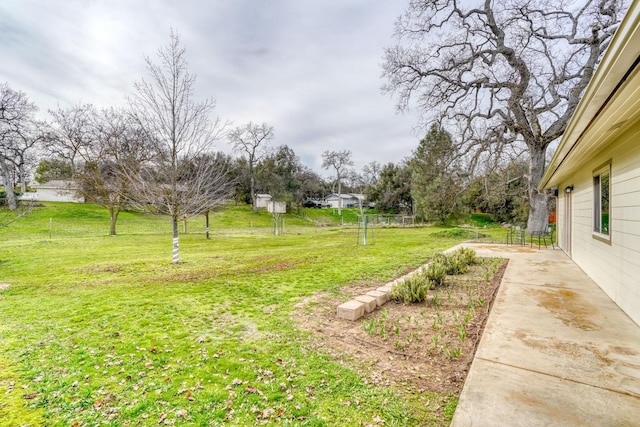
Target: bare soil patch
x,y
419,347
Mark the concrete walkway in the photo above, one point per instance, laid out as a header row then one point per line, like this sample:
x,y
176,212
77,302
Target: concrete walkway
x,y
556,350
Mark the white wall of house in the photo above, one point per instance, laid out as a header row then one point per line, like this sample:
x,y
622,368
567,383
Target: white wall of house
x,y
49,194
615,266
347,200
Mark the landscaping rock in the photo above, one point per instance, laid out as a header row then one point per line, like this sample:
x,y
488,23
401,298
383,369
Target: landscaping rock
x,y
381,297
351,310
386,288
370,303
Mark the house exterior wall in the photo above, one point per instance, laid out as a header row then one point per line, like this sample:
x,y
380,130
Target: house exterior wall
x,y
347,200
57,195
333,201
615,267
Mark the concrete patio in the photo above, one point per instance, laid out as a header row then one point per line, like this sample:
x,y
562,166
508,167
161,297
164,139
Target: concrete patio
x,y
556,350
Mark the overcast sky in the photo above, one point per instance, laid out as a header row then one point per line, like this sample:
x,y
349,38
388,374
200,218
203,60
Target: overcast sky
x,y
309,68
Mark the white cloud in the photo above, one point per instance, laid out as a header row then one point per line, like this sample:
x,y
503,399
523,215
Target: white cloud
x,y
310,69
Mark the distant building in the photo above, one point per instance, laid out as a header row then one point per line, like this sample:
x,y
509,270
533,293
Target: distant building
x,y
349,200
58,191
262,200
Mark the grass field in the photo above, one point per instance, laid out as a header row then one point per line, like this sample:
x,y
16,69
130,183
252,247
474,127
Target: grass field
x,y
100,330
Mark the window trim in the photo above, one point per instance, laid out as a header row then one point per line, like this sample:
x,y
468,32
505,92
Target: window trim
x,y
597,173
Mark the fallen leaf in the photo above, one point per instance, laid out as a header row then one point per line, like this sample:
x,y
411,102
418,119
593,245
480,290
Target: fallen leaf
x,y
162,417
30,395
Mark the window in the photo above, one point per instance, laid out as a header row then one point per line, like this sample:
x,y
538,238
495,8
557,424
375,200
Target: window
x,y
601,188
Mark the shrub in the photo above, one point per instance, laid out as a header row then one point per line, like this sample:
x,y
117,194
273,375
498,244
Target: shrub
x,y
456,262
436,273
410,290
468,255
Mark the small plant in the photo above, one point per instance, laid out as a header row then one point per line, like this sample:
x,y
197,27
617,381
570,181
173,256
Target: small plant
x,y
452,353
434,324
414,336
462,332
382,331
399,345
369,326
435,300
435,340
468,316
438,319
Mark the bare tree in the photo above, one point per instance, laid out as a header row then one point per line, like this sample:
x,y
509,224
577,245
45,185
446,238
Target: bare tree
x,y
118,147
508,73
71,132
181,130
18,134
249,140
340,162
371,172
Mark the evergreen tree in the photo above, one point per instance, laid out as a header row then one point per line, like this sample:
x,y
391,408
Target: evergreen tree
x,y
436,178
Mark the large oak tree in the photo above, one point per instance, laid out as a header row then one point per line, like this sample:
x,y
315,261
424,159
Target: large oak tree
x,y
506,72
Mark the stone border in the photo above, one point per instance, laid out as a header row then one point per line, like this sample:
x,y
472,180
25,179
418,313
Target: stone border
x,y
355,308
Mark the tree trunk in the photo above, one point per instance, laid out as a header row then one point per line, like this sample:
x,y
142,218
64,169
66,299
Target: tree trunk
x,y
253,189
206,225
113,216
23,179
8,185
339,196
538,215
176,253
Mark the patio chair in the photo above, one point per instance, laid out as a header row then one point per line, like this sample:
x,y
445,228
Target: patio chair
x,y
542,237
515,235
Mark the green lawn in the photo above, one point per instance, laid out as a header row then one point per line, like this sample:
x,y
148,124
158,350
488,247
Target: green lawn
x,y
105,330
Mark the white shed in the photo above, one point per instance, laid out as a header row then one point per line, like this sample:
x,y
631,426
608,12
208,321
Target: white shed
x,y
262,200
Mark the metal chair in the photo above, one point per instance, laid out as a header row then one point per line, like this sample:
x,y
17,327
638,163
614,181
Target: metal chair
x,y
542,237
515,234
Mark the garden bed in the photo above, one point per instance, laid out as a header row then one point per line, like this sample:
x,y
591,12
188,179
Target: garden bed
x,y
418,348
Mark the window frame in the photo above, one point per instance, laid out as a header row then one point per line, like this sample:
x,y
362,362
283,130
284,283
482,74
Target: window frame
x,y
596,225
